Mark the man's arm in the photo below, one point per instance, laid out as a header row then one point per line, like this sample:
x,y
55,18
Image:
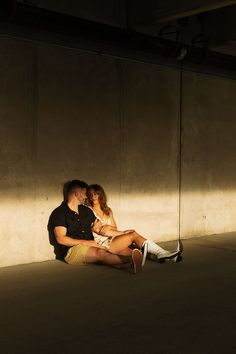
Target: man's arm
x,y
107,230
63,239
103,230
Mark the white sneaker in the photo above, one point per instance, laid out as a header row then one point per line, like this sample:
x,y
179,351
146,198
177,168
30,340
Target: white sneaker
x,y
144,250
153,257
168,255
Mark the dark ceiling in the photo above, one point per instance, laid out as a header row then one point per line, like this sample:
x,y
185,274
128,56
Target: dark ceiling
x,y
204,23
189,31
214,22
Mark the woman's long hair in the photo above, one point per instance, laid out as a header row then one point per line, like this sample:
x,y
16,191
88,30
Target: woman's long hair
x,y
96,188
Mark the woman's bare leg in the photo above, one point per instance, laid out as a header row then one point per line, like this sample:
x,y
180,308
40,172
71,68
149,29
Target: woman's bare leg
x,y
122,242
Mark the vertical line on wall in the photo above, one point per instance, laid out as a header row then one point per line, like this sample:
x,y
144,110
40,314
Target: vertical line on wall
x,y
33,121
121,121
180,147
34,108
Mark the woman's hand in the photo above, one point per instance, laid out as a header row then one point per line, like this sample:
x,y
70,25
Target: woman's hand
x,y
97,226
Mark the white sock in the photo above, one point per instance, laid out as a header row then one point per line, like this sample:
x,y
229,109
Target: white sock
x,y
154,248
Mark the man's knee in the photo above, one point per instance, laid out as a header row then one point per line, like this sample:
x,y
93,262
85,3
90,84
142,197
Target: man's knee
x,y
100,254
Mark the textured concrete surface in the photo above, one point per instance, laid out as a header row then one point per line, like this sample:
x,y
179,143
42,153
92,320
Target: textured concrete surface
x,y
183,308
208,195
149,168
66,114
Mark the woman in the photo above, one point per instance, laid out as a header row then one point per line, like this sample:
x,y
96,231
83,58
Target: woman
x,y
119,242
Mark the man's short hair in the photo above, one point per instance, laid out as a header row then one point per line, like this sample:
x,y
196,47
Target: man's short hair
x,y
70,186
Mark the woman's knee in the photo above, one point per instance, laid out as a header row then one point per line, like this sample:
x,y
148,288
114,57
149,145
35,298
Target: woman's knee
x,y
129,232
132,235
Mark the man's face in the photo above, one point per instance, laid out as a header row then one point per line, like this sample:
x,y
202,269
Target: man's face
x,y
81,195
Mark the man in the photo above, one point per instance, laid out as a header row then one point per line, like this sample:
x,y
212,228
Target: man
x,y
70,230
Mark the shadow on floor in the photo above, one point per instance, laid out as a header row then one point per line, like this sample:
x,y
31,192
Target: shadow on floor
x,y
186,307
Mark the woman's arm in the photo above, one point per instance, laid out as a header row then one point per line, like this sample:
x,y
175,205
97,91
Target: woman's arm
x,y
108,230
104,230
112,219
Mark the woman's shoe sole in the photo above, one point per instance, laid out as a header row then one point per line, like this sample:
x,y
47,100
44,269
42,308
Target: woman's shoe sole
x,y
137,261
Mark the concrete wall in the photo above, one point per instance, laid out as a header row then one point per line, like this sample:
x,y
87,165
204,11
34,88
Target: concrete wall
x,y
66,115
208,196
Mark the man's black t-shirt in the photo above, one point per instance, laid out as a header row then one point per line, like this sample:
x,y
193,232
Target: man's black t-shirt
x,y
78,225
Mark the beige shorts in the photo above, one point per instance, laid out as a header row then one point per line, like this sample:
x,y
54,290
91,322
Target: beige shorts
x,y
76,254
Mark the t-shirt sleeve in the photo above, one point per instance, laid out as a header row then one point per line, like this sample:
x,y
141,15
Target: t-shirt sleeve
x,y
58,218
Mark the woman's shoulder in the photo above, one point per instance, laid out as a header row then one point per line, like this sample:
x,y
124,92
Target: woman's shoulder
x,y
109,210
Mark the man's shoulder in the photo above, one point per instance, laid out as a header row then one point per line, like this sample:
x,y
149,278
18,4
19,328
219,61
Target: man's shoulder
x,y
56,214
60,209
86,211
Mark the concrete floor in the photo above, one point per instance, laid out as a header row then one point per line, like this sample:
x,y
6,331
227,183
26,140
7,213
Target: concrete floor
x,y
186,307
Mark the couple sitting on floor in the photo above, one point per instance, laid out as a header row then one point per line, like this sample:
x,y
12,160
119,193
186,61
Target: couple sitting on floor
x,y
88,234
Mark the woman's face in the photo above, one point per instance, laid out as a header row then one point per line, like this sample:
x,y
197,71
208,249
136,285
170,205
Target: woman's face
x,y
94,197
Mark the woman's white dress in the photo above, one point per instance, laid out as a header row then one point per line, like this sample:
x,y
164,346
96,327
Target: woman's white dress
x,y
102,240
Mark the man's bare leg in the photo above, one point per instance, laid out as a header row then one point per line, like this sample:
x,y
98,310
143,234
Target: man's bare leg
x,y
127,252
98,255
